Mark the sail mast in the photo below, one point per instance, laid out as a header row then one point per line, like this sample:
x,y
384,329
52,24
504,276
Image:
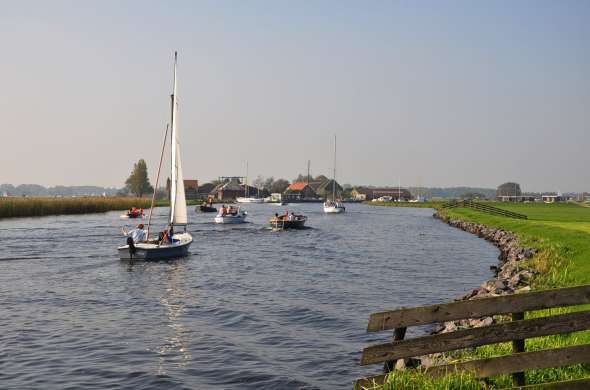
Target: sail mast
x,y
173,177
334,173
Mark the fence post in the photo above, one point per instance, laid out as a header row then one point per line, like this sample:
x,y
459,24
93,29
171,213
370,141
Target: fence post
x,y
518,378
398,334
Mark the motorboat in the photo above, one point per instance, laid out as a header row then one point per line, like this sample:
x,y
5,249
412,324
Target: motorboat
x,y
284,222
231,216
249,200
168,244
207,208
133,213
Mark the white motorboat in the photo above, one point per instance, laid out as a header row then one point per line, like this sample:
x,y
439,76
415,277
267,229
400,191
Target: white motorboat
x,y
332,206
249,200
231,216
177,244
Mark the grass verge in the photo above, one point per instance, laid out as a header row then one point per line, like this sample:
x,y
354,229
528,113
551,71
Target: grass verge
x,y
561,235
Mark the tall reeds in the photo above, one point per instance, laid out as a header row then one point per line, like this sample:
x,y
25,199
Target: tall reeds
x,y
34,207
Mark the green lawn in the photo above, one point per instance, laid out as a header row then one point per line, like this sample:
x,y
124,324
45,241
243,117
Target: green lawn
x,y
561,235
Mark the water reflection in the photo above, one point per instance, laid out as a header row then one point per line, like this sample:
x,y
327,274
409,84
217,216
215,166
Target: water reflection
x,y
174,300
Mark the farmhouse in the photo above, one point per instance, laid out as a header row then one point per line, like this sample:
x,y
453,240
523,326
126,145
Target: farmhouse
x,y
299,191
368,193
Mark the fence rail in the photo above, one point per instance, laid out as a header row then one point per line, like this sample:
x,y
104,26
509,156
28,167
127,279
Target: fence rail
x,y
515,331
485,208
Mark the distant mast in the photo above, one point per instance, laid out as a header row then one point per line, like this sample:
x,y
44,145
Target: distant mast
x,y
334,173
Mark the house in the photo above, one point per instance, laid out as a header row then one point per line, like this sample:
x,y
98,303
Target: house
x,y
552,198
191,188
205,189
299,191
515,198
324,189
368,193
230,188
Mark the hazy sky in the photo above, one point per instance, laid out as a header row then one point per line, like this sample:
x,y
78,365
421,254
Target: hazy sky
x,y
435,93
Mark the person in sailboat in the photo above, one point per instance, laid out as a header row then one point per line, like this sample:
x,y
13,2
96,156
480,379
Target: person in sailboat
x,y
136,235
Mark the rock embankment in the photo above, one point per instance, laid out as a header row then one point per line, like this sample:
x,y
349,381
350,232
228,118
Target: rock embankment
x,y
510,274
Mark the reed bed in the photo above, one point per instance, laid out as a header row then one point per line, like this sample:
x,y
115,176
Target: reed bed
x,y
35,207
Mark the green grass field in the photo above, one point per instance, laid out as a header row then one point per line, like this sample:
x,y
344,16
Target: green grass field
x,y
561,235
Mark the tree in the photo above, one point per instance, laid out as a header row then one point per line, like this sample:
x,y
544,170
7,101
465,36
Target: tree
x,y
321,178
138,183
302,178
509,189
268,184
279,186
258,182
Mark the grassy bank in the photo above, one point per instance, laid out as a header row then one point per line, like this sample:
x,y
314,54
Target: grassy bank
x,y
428,204
561,235
35,207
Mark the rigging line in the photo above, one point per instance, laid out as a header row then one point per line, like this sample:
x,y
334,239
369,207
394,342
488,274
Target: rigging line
x,y
156,184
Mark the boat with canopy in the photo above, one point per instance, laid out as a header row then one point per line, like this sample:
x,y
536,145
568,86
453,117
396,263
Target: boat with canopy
x,y
168,244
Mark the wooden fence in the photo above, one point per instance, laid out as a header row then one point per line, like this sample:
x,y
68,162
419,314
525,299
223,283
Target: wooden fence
x,y
515,331
485,208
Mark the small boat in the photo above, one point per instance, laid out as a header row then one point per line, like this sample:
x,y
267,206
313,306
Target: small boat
x,y
133,214
249,200
331,206
177,244
292,222
233,215
207,208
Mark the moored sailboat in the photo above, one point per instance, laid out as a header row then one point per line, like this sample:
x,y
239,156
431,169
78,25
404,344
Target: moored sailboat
x,y
332,206
169,244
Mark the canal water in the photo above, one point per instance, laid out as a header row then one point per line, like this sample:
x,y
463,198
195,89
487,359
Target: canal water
x,y
249,309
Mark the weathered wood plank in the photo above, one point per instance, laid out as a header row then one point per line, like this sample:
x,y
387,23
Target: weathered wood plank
x,y
576,384
476,308
475,337
398,334
510,364
518,378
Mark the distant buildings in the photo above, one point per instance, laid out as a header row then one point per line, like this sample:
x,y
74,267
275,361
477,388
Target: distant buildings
x,y
299,191
552,198
369,193
230,188
515,198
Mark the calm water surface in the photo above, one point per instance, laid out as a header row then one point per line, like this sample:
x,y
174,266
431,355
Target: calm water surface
x,y
249,309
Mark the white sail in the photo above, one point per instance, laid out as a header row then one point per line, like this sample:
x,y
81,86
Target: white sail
x,y
177,198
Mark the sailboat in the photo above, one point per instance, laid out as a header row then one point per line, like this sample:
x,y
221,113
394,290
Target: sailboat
x,y
332,206
176,244
247,198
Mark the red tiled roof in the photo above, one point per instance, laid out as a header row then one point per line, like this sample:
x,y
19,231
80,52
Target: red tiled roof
x,y
297,186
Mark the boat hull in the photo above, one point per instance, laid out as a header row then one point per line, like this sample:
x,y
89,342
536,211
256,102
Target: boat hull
x,y
231,219
334,209
282,225
250,200
149,252
207,209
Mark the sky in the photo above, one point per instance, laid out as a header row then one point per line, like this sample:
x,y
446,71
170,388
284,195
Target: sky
x,y
426,93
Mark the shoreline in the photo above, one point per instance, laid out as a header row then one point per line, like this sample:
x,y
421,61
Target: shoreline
x,y
510,275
